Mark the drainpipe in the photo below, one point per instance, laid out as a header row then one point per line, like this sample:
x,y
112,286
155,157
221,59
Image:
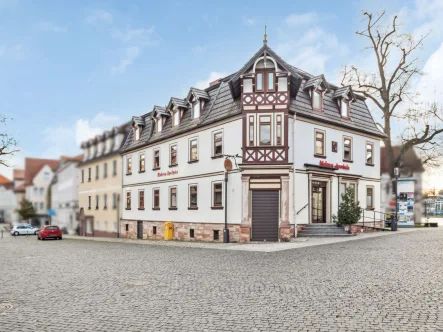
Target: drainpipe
x,y
293,178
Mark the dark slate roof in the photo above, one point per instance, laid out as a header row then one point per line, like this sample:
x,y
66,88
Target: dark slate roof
x,y
343,92
138,120
315,82
177,102
222,104
198,93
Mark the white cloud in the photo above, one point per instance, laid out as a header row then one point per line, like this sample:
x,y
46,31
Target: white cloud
x,y
51,27
203,84
248,21
129,35
99,15
129,56
302,19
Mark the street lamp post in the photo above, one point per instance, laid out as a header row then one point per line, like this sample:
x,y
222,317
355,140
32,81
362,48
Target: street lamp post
x,y
395,223
226,230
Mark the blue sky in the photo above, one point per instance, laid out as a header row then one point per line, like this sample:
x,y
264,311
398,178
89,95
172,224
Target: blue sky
x,y
71,69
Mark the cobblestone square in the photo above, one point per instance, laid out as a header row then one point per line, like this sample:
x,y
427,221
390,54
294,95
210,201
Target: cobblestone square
x,y
387,283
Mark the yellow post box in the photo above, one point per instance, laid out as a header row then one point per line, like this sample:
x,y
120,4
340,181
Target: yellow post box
x,y
169,230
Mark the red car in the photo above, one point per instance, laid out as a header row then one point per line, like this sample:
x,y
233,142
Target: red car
x,y
49,232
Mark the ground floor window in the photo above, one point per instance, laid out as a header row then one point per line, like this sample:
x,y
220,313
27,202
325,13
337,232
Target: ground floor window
x,y
346,185
369,197
193,196
217,200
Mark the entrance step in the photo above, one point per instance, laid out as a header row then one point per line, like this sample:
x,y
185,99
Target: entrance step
x,y
323,230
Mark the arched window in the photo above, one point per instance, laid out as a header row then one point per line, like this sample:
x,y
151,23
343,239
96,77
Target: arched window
x,y
265,75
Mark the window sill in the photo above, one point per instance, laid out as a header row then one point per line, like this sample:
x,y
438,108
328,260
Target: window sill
x,y
156,209
372,165
141,208
128,173
216,207
216,157
89,208
175,165
172,208
127,208
370,209
347,161
141,171
156,168
192,161
96,208
105,208
319,156
89,180
193,208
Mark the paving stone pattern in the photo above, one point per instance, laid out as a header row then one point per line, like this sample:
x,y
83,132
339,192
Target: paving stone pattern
x,y
388,283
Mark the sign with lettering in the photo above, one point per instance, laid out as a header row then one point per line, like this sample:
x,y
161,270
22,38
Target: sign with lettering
x,y
336,166
168,173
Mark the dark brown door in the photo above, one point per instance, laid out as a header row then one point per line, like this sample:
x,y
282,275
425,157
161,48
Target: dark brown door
x,y
139,229
264,215
318,202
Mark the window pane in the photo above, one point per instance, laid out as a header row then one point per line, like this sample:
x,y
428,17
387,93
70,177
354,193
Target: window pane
x,y
251,135
369,154
194,151
218,147
278,134
352,186
265,119
342,190
174,155
270,81
217,194
344,109
265,134
319,147
196,110
259,81
173,197
176,118
159,125
317,100
193,196
156,158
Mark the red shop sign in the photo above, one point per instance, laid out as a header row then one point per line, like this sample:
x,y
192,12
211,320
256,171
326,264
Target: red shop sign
x,y
336,166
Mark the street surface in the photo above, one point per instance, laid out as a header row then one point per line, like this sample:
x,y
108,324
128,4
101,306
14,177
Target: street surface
x,y
386,283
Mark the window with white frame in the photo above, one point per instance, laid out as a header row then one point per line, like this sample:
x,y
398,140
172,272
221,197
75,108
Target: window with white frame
x,y
317,100
196,109
137,133
251,130
320,138
173,197
217,194
344,185
369,197
278,129
347,148
129,165
156,159
141,163
128,200
193,149
369,153
218,143
265,129
173,155
193,196
344,108
176,118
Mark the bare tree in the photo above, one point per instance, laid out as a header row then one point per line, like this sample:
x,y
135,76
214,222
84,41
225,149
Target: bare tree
x,y
390,87
7,142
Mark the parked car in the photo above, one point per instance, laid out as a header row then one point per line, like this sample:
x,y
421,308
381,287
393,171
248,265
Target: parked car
x,y
50,232
24,229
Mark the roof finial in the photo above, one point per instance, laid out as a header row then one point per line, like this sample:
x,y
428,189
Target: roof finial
x,y
265,41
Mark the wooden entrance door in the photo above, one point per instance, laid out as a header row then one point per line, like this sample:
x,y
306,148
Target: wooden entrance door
x,y
318,201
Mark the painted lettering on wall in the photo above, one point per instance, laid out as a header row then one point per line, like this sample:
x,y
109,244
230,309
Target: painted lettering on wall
x,y
168,173
336,166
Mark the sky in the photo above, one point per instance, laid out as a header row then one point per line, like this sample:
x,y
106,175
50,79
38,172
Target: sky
x,y
71,69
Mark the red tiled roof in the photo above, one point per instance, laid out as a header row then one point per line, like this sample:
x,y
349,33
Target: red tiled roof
x,y
410,160
78,158
20,188
34,165
18,174
4,181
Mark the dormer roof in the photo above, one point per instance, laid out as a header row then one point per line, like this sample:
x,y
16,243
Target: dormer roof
x,y
159,110
137,121
178,103
317,82
197,93
344,92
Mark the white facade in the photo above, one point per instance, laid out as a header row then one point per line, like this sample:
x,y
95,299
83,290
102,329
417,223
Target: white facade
x,y
64,197
37,192
8,204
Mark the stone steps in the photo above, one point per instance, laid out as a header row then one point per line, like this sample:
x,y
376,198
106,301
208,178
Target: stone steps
x,y
323,230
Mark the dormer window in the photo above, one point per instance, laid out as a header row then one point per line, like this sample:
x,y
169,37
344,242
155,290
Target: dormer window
x,y
137,133
265,75
159,125
317,100
196,110
344,108
176,118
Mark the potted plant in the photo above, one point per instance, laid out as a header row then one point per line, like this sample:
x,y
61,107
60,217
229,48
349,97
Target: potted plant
x,y
349,211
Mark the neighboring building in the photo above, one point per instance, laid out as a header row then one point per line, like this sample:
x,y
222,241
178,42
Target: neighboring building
x,y
19,190
302,142
100,183
38,177
410,181
64,194
8,202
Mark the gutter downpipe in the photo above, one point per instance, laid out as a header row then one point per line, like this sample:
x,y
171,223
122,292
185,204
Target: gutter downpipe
x,y
293,177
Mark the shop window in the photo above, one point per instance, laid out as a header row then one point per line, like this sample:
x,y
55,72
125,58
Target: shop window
x,y
156,159
173,197
141,199
370,154
347,148
156,199
344,186
141,162
369,197
193,150
218,144
173,155
265,130
319,143
193,197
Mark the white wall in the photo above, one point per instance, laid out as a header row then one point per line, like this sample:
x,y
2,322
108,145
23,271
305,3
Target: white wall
x,y
8,203
40,181
209,169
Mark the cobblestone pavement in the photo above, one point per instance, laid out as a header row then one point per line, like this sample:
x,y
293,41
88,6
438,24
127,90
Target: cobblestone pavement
x,y
387,283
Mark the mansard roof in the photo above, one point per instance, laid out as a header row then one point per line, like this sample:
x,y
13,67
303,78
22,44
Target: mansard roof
x,y
197,93
138,121
223,102
177,102
317,82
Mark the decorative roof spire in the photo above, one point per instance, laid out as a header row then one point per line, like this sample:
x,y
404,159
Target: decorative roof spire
x,y
265,40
